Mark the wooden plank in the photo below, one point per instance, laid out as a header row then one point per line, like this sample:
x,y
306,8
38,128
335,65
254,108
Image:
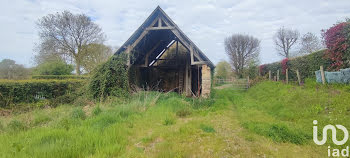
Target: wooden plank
x,y
278,75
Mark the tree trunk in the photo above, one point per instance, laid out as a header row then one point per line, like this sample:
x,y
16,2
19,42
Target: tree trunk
x,y
77,67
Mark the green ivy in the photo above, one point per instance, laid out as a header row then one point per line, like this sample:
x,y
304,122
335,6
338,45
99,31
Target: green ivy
x,y
110,78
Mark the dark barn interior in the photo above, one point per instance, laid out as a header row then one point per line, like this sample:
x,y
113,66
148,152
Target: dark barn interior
x,y
163,58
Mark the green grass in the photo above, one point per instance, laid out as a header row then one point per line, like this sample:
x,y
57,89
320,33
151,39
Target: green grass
x,y
269,120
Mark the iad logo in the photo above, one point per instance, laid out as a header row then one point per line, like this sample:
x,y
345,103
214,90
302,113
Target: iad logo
x,y
334,134
333,152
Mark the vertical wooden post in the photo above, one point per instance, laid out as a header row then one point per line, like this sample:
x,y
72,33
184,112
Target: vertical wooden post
x,y
270,75
322,75
248,82
287,76
298,75
278,75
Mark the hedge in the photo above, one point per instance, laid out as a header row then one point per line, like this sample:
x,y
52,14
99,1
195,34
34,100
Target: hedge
x,y
59,77
19,91
307,65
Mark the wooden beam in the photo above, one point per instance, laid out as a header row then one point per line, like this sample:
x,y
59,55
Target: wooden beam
x,y
200,63
160,28
149,52
128,52
143,34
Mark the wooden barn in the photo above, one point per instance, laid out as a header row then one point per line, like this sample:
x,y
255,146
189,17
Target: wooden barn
x,y
162,57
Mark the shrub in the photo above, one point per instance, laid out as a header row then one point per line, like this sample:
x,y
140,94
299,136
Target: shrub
x,y
78,113
337,40
16,125
32,90
207,128
110,79
54,68
59,77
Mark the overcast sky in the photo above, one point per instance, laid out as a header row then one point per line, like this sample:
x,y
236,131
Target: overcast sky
x,y
205,22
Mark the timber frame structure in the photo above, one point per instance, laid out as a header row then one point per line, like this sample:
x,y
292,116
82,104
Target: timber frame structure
x,y
161,57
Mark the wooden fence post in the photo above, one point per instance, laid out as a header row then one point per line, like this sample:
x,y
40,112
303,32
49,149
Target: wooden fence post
x,y
322,75
298,75
248,81
270,77
287,76
278,75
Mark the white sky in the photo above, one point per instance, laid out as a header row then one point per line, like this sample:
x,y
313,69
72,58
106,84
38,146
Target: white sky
x,y
205,22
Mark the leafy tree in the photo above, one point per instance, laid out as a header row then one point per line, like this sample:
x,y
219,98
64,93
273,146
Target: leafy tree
x,y
284,40
241,50
94,55
337,40
65,34
223,70
10,70
54,68
253,69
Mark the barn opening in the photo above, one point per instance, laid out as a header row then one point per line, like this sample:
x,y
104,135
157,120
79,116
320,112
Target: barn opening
x,y
163,58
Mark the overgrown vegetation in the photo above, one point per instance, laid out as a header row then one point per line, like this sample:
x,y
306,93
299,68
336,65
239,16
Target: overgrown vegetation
x,y
110,79
271,119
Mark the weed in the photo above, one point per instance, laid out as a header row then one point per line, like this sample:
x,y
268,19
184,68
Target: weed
x,y
40,119
277,132
183,112
16,126
207,128
169,121
78,113
97,110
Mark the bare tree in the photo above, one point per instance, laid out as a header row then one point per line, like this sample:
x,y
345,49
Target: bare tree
x,y
241,49
309,43
284,40
66,34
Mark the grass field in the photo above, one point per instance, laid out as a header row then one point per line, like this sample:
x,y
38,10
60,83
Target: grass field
x,y
269,120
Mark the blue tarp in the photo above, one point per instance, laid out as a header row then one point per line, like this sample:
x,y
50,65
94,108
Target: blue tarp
x,y
342,76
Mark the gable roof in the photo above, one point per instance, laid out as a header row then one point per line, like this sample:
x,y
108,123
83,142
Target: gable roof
x,y
158,12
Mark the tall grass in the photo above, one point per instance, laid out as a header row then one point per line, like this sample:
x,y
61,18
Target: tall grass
x,y
70,132
285,113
